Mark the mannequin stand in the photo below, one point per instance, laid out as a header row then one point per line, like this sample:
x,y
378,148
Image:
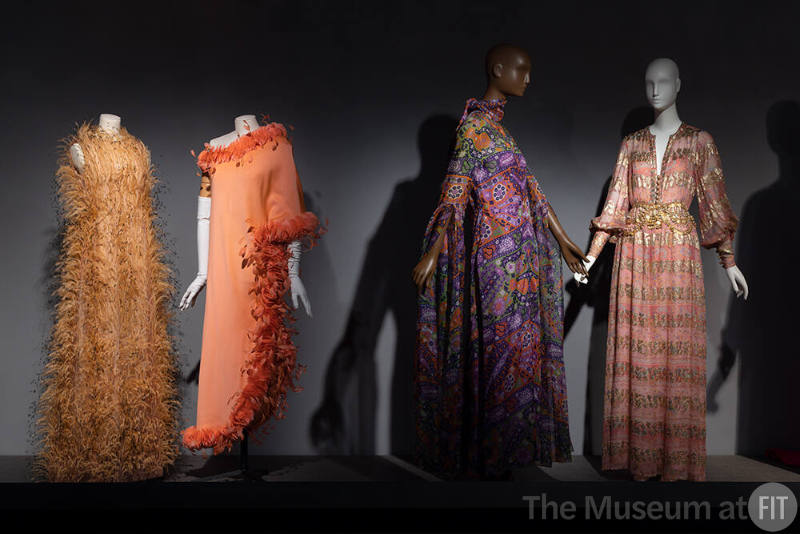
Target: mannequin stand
x,y
223,466
245,473
243,453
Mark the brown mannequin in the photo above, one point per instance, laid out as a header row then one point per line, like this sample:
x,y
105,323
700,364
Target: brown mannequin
x,y
508,72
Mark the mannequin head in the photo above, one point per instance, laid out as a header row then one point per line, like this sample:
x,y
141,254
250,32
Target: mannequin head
x,y
508,71
662,83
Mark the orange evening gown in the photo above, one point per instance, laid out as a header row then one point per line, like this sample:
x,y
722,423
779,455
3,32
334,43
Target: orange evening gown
x,y
248,360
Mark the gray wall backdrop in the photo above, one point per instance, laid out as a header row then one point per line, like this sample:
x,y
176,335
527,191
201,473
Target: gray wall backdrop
x,y
369,88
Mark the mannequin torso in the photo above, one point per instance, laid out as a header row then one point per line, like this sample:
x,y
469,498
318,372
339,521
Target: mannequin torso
x,y
662,85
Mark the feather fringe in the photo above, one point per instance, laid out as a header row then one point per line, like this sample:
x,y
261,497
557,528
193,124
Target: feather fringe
x,y
271,369
109,407
212,156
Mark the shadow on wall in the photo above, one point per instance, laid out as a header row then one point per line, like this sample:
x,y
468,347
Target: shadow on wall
x,y
344,423
596,294
761,331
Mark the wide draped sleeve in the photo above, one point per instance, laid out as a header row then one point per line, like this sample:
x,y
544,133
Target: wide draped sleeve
x,y
440,321
540,208
448,219
717,220
611,220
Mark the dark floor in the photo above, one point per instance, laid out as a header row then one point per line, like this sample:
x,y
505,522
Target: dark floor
x,y
374,494
226,468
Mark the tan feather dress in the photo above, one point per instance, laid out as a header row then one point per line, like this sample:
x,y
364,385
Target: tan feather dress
x,y
108,411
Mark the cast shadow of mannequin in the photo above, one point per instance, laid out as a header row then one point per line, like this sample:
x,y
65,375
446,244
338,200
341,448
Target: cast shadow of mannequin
x,y
596,294
344,423
762,331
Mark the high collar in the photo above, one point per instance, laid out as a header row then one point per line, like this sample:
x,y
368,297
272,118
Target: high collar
x,y
493,108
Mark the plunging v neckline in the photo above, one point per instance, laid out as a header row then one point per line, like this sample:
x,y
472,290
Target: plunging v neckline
x,y
660,171
656,192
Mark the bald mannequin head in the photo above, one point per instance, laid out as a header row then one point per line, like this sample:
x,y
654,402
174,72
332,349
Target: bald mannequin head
x,y
508,69
662,83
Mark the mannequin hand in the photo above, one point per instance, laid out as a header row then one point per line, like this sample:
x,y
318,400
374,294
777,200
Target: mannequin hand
x,y
738,282
424,270
581,278
192,291
573,256
299,292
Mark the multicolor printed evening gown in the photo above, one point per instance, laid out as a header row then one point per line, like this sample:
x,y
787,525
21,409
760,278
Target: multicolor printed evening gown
x,y
655,400
489,372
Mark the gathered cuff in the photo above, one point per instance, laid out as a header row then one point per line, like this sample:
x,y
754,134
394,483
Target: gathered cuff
x,y
725,253
611,225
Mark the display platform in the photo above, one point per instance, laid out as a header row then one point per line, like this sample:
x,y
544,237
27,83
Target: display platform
x,y
386,493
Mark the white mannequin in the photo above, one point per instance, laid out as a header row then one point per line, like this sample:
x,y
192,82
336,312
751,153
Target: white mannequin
x,y
108,123
662,84
243,125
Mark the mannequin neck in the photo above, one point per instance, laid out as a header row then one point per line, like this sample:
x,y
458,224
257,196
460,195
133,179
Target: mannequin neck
x,y
493,93
109,123
244,124
667,120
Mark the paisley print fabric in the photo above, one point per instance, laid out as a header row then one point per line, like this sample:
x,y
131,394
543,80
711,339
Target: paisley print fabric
x,y
489,372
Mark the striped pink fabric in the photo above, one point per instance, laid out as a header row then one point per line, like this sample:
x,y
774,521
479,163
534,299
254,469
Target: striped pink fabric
x,y
654,411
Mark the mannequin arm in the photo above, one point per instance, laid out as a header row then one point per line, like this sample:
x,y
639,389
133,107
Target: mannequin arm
x,y
197,285
297,287
571,252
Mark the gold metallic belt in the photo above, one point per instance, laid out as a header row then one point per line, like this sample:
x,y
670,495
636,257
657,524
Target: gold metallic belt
x,y
653,216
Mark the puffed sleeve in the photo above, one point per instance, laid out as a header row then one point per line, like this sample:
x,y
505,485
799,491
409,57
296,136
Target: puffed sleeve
x,y
717,220
612,219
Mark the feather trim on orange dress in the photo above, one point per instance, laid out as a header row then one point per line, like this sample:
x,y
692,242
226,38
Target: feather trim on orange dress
x,y
261,211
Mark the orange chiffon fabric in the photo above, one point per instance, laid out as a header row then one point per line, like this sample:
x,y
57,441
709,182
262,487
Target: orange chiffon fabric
x,y
248,360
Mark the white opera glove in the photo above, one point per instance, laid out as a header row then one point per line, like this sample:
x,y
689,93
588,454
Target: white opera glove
x,y
581,279
297,287
738,283
199,282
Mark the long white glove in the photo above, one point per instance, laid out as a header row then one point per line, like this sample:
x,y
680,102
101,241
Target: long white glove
x,y
199,282
581,279
298,289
